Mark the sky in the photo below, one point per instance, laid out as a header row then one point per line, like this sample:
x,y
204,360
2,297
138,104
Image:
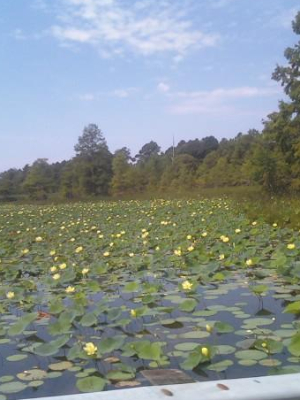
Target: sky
x,y
140,69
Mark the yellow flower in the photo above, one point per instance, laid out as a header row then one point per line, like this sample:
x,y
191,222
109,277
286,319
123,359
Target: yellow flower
x,y
209,328
90,349
106,254
177,252
237,231
275,225
70,289
56,277
189,237
204,234
191,248
221,257
291,246
39,239
25,251
53,269
133,313
224,239
249,262
85,271
63,266
157,248
131,254
52,253
79,249
205,351
254,223
264,344
186,285
10,295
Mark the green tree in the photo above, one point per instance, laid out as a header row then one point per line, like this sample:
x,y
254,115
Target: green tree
x,y
93,163
39,183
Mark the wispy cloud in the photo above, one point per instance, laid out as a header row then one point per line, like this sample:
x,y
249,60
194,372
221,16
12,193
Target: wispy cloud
x,y
216,101
116,93
163,87
18,34
145,27
87,97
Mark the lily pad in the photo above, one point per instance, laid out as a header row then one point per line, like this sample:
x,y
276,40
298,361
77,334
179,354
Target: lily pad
x,y
90,384
12,387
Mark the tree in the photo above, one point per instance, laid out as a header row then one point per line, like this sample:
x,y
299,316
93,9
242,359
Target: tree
x,y
38,183
120,168
148,150
281,131
93,163
90,142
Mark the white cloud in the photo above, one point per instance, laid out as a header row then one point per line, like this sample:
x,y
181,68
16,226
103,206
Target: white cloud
x,y
117,93
18,34
87,97
145,27
216,101
121,93
163,87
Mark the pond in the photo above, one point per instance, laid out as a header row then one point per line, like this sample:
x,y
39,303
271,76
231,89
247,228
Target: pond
x,y
93,294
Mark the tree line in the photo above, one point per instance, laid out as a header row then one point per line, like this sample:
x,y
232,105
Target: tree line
x,y
270,158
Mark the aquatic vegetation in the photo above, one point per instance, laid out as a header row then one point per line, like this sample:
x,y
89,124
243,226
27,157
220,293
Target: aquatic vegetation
x,y
94,293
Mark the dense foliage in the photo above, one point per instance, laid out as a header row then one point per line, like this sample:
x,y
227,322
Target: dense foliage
x,y
269,158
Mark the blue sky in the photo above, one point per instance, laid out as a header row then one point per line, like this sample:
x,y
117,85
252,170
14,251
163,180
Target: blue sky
x,y
140,69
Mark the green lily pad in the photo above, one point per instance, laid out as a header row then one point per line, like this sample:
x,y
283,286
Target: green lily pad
x,y
224,349
188,305
17,357
32,375
120,375
220,366
250,355
90,384
35,384
186,346
247,363
12,387
61,366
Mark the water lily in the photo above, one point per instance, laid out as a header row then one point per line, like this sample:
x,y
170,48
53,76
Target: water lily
x,y
79,249
10,295
70,289
39,239
90,349
205,351
291,246
249,262
85,271
56,277
186,285
133,313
